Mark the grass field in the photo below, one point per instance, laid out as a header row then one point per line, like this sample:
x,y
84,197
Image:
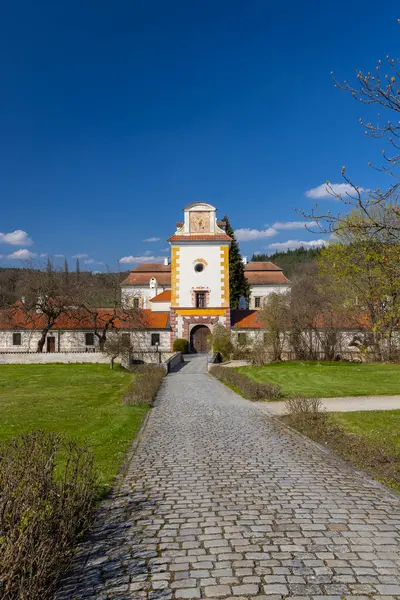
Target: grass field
x,y
380,425
329,379
82,401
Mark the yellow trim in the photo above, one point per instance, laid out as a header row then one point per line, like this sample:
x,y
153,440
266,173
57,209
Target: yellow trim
x,y
174,275
225,275
220,312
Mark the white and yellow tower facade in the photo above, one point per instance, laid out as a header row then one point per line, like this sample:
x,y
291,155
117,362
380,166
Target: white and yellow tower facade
x,y
199,276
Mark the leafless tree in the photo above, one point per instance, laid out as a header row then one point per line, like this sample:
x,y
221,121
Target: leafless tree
x,y
46,296
116,346
99,292
380,89
275,317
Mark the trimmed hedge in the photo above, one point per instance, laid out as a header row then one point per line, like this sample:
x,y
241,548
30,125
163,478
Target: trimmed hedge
x,y
181,345
145,384
253,390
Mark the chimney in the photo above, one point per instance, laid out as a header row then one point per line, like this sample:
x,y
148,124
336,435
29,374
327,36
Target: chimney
x,y
166,261
244,260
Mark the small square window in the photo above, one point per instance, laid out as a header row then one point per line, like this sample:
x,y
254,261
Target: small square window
x,y
242,338
257,301
17,338
155,339
89,339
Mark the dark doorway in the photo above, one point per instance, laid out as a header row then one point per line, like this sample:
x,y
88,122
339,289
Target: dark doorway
x,y
200,338
51,344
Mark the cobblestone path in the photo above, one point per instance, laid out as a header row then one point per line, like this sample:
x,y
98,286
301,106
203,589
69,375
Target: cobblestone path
x,y
220,501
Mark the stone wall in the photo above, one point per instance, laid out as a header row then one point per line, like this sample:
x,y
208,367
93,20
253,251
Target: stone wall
x,y
32,358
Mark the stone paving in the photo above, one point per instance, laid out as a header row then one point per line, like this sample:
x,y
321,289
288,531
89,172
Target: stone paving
x,y
221,501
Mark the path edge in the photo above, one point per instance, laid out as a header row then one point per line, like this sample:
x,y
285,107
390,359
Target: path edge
x,y
326,450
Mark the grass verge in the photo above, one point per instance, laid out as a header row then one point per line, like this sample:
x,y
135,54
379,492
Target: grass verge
x,y
370,440
328,379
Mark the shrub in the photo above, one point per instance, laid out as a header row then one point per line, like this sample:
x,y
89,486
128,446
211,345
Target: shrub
x,y
48,492
251,389
145,385
221,342
181,345
378,457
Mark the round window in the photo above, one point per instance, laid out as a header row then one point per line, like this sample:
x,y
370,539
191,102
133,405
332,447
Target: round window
x,y
199,267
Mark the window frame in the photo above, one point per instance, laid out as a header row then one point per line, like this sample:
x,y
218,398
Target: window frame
x,y
89,333
203,302
17,335
135,302
257,301
242,338
154,343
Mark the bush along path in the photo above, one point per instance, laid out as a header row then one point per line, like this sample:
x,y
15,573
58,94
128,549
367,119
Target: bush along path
x,y
247,387
220,501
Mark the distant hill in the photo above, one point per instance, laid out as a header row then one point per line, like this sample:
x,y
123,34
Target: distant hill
x,y
290,260
11,287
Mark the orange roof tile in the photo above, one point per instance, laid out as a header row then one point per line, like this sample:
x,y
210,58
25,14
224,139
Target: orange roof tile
x,y
151,268
143,278
245,319
261,266
164,296
81,319
266,277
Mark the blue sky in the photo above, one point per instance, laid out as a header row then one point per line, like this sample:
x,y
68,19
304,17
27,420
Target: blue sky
x,y
115,115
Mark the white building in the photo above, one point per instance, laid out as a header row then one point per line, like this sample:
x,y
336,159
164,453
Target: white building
x,y
184,297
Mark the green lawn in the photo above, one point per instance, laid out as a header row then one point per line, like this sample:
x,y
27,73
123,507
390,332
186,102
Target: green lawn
x,y
381,425
329,379
82,401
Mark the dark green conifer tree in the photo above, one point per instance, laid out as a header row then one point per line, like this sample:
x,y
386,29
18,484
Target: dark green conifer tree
x,y
237,280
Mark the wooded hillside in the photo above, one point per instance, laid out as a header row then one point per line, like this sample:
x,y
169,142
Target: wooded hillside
x,y
290,260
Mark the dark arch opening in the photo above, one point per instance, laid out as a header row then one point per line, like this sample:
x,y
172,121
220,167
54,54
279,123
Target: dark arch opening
x,y
200,339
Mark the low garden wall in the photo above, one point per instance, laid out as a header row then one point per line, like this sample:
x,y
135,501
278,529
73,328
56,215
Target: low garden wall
x,y
34,358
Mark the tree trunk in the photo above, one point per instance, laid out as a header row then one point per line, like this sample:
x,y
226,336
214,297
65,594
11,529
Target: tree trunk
x,y
41,341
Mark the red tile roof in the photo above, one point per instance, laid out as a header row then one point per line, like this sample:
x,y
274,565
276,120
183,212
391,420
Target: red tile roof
x,y
250,319
261,266
164,296
142,274
213,237
80,319
266,278
245,319
152,268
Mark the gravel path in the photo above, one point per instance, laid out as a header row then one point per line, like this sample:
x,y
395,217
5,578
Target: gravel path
x,y
220,501
349,404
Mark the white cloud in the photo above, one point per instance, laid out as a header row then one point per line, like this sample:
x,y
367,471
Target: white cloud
x,y
80,255
246,235
293,224
59,256
152,239
91,261
292,244
22,254
325,190
16,238
141,259
44,255
165,250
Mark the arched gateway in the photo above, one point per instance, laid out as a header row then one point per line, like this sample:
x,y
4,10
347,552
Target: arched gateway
x,y
200,339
